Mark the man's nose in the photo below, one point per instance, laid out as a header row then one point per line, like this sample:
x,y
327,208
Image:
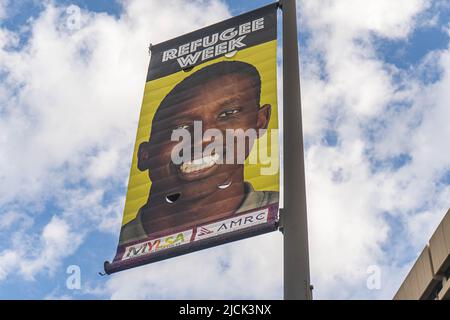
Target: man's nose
x,y
200,143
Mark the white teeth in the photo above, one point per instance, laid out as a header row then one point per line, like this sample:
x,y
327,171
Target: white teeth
x,y
199,164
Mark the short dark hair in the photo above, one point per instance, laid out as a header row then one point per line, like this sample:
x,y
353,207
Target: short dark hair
x,y
182,90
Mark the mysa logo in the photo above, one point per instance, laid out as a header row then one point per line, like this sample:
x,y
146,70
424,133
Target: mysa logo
x,y
157,245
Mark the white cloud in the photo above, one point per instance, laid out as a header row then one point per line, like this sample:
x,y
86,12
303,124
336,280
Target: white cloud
x,y
8,261
55,297
350,90
350,18
70,99
3,4
56,242
80,90
36,253
13,219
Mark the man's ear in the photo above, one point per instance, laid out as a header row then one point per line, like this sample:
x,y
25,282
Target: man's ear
x,y
264,116
143,156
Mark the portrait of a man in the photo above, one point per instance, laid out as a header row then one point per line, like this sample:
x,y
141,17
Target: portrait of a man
x,y
224,95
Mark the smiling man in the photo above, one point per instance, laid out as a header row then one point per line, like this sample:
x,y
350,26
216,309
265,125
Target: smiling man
x,y
223,96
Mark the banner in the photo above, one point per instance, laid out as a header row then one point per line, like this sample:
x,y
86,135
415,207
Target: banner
x,y
205,167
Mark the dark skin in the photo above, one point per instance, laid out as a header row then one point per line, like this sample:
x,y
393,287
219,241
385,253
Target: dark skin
x,y
227,102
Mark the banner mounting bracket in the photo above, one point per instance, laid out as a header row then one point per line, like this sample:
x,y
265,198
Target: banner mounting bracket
x,y
150,46
280,5
281,220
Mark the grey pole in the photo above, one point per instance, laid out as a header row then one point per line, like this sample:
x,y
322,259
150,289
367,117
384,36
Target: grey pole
x,y
294,218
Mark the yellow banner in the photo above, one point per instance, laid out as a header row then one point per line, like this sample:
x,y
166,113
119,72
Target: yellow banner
x,y
206,156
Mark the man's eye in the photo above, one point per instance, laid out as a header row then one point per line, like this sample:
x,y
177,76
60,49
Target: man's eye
x,y
183,126
228,113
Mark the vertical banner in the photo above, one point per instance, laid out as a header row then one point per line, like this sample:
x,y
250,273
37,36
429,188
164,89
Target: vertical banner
x,y
205,167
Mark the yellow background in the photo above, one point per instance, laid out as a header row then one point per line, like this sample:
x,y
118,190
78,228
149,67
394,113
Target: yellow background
x,y
263,57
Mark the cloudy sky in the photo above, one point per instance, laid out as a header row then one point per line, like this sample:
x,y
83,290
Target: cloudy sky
x,y
375,88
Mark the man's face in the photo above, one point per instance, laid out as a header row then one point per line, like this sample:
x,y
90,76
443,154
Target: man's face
x,y
228,102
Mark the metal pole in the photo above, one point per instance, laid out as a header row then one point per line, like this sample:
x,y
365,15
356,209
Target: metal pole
x,y
295,227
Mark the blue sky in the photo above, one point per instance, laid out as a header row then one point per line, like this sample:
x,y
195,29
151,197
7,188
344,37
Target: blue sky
x,y
374,81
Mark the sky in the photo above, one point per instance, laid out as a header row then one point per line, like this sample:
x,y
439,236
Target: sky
x,y
374,82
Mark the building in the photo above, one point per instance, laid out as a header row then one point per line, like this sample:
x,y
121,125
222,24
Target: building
x,y
429,278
